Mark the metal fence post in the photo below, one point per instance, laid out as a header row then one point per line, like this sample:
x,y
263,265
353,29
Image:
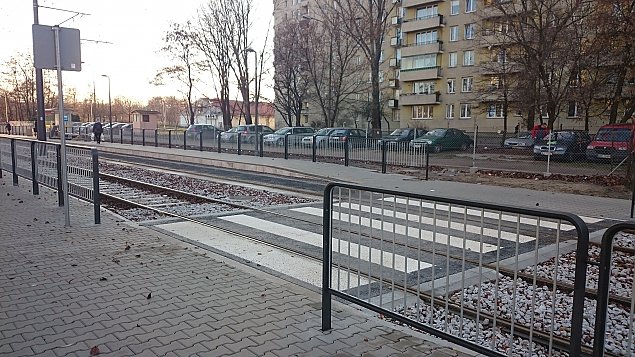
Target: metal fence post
x,y
169,139
96,198
239,134
13,163
60,188
200,141
120,136
218,142
260,146
313,148
286,146
427,155
383,156
184,140
131,136
156,137
326,259
36,186
346,154
143,137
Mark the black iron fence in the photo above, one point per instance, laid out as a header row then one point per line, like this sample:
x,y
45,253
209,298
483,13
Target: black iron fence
x,y
484,276
40,162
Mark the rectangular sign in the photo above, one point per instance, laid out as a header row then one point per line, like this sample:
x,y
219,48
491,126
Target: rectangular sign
x,y
44,48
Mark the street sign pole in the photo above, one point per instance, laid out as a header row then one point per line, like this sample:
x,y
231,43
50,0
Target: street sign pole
x,y
62,126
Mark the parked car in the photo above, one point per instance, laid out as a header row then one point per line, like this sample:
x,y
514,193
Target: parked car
x,y
54,133
612,142
341,135
321,137
247,133
402,135
230,135
443,139
296,133
523,140
567,145
208,131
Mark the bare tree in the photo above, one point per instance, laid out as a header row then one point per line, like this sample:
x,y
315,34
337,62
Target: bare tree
x,y
19,79
178,44
237,13
367,22
334,64
290,80
541,33
211,39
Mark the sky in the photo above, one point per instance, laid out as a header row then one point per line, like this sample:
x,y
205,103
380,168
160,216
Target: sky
x,y
135,29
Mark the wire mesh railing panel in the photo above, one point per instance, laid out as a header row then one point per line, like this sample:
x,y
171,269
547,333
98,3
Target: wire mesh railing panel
x,y
80,172
366,150
477,274
5,154
23,158
47,164
404,154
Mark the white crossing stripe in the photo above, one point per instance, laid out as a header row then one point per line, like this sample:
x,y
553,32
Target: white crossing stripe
x,y
504,217
413,232
504,235
347,248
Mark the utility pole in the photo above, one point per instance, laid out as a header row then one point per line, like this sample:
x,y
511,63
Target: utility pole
x,y
40,124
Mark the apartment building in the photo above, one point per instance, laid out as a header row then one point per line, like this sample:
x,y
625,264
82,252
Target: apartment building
x,y
441,66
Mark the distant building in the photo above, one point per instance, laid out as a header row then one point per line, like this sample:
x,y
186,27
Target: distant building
x,y
145,119
207,111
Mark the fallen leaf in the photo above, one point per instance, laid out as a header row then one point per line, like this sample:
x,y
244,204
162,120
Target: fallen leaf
x,y
137,255
103,279
149,296
94,351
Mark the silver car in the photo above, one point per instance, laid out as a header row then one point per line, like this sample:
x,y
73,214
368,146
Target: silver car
x,y
321,138
522,141
295,133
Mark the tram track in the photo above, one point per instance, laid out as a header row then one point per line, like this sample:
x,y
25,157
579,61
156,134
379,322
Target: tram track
x,y
190,198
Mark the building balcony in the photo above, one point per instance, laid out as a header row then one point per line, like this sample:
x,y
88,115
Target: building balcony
x,y
393,103
422,24
419,74
394,63
393,83
395,41
419,99
422,49
409,3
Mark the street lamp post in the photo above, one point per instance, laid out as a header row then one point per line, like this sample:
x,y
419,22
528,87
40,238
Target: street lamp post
x,y
109,107
249,49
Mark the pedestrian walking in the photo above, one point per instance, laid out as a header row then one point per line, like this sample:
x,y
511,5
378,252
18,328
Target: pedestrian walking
x,y
98,130
8,127
516,128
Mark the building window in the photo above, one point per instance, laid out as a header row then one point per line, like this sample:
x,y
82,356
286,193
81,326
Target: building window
x,y
454,7
572,112
449,111
468,58
502,56
145,118
466,110
470,5
466,84
495,82
425,87
454,33
451,85
427,12
422,112
452,58
423,38
306,119
470,31
494,110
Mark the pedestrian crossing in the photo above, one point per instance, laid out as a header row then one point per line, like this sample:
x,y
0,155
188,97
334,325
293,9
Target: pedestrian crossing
x,y
404,235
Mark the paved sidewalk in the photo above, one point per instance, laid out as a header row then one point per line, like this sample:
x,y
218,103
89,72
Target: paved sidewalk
x,y
124,290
